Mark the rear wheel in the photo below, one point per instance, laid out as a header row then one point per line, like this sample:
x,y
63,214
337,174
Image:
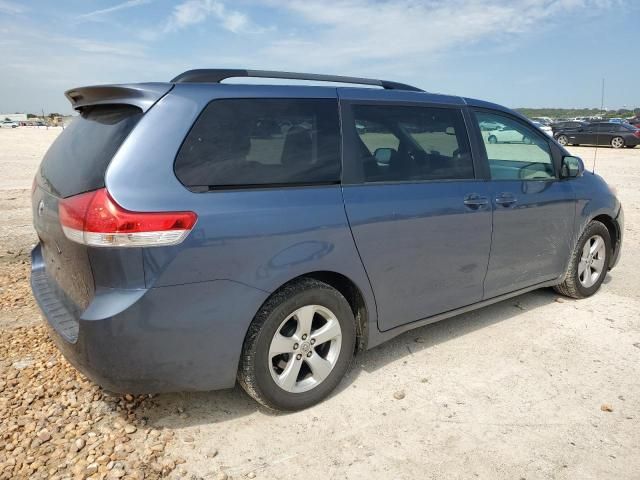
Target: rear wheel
x,y
492,139
589,262
298,347
562,140
617,142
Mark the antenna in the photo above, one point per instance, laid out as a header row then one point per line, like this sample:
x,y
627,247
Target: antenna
x,y
595,153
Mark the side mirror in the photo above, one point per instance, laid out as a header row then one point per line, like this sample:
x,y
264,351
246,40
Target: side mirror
x,y
383,155
571,167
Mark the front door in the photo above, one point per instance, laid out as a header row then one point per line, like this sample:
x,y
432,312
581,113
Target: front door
x,y
533,210
420,219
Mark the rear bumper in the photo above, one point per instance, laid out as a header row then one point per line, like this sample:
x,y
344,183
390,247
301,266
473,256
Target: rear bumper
x,y
178,338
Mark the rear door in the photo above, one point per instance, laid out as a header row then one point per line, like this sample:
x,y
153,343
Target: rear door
x,y
533,209
587,134
420,217
605,133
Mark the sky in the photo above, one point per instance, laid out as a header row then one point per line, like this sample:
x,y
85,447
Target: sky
x,y
519,53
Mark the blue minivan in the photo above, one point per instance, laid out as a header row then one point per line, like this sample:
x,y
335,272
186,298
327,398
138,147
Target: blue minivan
x,y
196,232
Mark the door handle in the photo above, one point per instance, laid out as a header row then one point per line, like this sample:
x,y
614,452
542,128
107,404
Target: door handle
x,y
473,200
506,199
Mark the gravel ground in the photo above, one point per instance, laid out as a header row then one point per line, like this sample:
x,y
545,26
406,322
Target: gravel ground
x,y
534,387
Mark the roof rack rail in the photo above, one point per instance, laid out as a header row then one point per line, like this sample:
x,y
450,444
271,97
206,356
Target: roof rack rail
x,y
216,75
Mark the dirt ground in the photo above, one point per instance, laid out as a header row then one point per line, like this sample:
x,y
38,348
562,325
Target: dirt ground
x,y
533,387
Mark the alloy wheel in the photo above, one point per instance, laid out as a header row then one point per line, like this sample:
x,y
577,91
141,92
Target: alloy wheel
x,y
305,348
617,142
592,262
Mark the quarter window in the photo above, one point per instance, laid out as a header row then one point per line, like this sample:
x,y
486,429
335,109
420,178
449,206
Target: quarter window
x,y
245,142
398,143
514,151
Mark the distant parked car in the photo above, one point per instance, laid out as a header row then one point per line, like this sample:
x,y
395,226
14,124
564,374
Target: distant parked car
x,y
567,126
600,133
501,133
545,128
8,125
543,120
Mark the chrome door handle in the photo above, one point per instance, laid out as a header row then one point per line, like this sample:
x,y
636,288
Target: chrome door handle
x,y
506,199
474,200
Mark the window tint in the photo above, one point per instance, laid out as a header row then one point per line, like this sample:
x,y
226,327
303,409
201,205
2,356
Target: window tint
x,y
515,151
239,142
397,143
78,159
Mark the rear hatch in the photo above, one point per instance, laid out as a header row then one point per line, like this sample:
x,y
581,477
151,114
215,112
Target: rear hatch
x,y
75,163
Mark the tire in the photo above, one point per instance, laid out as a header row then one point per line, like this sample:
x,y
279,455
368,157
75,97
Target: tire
x,y
492,139
617,142
263,372
576,284
562,140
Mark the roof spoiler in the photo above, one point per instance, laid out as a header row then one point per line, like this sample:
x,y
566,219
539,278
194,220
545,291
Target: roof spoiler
x,y
216,75
141,95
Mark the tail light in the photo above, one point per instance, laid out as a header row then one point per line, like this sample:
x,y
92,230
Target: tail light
x,y
637,133
95,219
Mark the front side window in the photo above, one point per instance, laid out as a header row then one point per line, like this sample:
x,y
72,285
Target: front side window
x,y
406,143
247,142
515,151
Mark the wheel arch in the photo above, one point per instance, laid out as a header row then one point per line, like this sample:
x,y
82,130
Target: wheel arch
x,y
351,292
612,227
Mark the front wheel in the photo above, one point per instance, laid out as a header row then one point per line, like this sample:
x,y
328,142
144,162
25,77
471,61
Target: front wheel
x,y
562,140
617,142
589,262
298,347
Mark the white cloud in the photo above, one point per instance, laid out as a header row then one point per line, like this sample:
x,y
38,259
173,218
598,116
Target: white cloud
x,y
120,6
192,12
359,33
11,7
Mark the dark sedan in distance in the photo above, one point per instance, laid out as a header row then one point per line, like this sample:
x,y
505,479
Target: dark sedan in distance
x,y
617,135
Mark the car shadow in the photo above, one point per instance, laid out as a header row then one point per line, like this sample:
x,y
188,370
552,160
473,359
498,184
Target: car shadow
x,y
180,410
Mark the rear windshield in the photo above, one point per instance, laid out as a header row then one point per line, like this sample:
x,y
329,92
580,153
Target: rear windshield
x,y
76,162
258,142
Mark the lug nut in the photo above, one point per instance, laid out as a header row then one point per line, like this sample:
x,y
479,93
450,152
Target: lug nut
x,y
298,357
295,346
313,340
309,354
304,337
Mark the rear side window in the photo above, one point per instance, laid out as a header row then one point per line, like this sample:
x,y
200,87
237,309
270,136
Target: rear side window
x,y
406,143
247,142
77,161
